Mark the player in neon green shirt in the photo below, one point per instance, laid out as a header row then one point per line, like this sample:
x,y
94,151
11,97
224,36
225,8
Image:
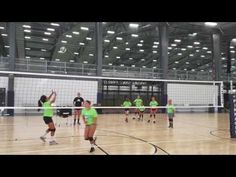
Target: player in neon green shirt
x,y
127,104
170,113
153,111
141,111
90,120
46,102
138,101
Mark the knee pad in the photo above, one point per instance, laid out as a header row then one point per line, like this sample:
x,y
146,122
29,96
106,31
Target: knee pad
x,y
86,138
52,129
90,138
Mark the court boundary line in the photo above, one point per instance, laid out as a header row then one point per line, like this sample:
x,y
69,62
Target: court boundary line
x,y
223,130
133,137
99,147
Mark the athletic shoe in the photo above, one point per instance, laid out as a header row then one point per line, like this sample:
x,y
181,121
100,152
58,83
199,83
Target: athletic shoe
x,y
43,138
92,149
53,142
154,122
78,123
94,140
126,120
148,121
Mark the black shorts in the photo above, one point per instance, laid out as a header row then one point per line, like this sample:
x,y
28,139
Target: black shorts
x,y
47,120
78,109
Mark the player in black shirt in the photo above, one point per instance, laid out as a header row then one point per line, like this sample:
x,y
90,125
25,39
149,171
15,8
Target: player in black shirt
x,y
78,102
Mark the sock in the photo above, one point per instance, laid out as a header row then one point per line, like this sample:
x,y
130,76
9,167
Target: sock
x,y
52,138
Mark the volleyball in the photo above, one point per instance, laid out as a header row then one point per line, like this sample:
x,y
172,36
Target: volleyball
x,y
62,49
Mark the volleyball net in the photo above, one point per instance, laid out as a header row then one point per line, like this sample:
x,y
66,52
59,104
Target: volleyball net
x,y
20,92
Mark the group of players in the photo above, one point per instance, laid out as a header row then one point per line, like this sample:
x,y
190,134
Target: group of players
x,y
140,108
89,115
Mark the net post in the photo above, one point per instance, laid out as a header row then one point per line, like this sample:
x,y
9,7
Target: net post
x,y
232,114
10,94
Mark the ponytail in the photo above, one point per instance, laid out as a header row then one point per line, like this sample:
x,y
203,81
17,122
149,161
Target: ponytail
x,y
42,99
39,104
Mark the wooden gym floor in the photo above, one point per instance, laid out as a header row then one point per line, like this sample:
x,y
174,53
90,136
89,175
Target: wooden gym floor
x,y
193,133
